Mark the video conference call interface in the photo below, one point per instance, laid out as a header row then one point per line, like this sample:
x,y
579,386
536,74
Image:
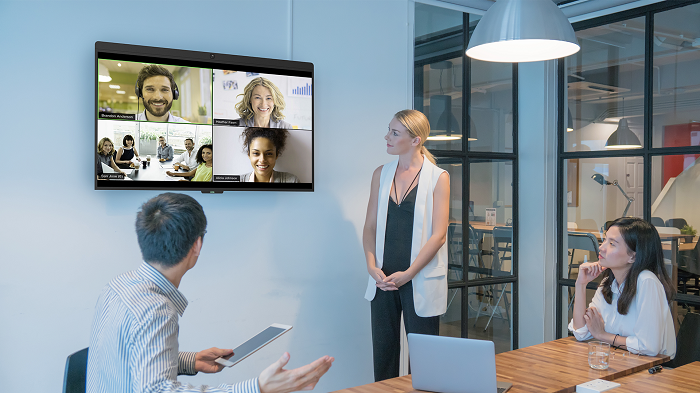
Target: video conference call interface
x,y
162,122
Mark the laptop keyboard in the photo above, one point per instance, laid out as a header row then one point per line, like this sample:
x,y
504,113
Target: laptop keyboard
x,y
501,390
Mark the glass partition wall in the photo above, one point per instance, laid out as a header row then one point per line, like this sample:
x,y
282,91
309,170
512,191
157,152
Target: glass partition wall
x,y
471,109
630,141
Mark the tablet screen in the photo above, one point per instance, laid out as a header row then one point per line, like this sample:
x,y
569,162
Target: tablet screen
x,y
252,345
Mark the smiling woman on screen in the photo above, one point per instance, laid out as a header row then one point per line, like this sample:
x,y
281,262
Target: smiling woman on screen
x,y
630,308
262,105
263,147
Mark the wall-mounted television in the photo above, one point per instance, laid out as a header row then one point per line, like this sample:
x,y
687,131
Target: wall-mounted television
x,y
170,119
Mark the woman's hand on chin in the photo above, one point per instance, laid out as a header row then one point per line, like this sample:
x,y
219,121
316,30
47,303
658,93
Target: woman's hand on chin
x,y
588,272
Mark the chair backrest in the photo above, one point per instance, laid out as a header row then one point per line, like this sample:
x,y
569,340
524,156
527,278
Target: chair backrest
x,y
668,230
583,241
688,340
503,234
76,370
657,222
676,222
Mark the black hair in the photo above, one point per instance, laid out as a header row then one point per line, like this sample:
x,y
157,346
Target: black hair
x,y
642,238
167,226
189,139
277,136
128,137
154,70
199,152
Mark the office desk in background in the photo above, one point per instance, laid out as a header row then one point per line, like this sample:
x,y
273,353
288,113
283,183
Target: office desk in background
x,y
554,366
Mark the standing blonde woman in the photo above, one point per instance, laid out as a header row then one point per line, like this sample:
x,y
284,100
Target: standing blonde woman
x,y
404,241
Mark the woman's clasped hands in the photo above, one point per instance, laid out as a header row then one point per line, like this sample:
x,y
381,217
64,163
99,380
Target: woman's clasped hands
x,y
391,282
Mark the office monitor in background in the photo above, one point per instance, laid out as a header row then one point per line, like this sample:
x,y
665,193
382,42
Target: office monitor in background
x,y
453,365
170,119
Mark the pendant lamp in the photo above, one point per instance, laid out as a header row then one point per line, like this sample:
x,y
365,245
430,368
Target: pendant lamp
x,y
623,137
514,31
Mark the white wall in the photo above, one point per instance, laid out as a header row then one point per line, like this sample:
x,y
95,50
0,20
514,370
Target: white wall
x,y
292,258
537,162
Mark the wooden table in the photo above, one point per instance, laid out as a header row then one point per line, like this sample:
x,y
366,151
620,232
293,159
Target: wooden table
x,y
679,380
555,366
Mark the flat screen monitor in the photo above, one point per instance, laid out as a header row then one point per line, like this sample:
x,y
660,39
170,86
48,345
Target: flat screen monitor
x,y
170,119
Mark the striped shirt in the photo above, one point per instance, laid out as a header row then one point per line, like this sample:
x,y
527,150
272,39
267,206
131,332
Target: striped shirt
x,y
133,345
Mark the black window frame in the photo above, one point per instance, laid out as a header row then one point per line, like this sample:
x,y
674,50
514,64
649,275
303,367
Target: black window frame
x,y
647,152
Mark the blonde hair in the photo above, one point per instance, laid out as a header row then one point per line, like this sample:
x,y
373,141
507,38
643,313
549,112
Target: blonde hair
x,y
418,126
244,108
101,144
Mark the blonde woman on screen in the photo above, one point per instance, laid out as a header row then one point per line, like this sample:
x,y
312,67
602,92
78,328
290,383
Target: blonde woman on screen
x,y
404,241
262,105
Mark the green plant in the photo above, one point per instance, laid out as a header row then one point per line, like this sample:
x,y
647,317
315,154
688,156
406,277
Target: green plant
x,y
202,110
205,140
148,135
688,230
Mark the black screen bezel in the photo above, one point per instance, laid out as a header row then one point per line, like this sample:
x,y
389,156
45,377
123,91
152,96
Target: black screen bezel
x,y
186,58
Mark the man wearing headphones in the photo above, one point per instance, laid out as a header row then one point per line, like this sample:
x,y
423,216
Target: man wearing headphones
x,y
156,86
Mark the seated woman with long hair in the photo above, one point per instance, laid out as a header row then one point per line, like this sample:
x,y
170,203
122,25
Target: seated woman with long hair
x,y
205,169
630,308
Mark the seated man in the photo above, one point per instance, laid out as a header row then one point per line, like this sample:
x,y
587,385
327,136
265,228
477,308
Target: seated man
x,y
156,87
165,151
134,339
188,158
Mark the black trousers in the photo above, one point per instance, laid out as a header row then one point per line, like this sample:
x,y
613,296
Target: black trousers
x,y
386,331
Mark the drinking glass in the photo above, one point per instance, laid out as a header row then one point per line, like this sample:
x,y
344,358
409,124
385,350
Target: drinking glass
x,y
598,355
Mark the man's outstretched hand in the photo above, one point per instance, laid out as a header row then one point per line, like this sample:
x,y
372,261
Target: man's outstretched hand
x,y
275,379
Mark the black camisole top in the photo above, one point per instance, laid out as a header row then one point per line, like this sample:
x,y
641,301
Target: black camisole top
x,y
399,234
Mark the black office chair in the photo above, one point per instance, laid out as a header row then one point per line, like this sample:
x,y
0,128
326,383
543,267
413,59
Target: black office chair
x,y
676,223
583,241
658,222
687,342
689,269
76,370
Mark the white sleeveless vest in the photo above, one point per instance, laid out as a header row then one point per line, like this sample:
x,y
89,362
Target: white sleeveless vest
x,y
430,284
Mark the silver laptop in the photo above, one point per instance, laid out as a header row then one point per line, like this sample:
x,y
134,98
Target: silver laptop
x,y
453,365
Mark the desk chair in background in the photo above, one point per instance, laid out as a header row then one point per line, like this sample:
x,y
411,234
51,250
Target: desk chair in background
x,y
456,251
657,222
584,241
502,251
76,370
676,223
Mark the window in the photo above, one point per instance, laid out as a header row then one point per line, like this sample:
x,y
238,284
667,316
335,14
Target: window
x,y
630,141
470,106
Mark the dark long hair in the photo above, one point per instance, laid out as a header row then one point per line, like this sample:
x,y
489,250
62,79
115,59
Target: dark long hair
x,y
642,238
199,157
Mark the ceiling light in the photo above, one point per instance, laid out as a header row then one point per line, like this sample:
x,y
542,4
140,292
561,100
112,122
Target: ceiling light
x,y
114,87
445,137
132,97
514,31
121,92
119,64
623,137
103,73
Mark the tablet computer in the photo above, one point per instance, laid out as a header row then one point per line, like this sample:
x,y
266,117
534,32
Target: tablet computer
x,y
256,342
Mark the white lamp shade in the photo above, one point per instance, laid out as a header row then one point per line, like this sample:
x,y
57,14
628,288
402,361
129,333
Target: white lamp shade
x,y
515,31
